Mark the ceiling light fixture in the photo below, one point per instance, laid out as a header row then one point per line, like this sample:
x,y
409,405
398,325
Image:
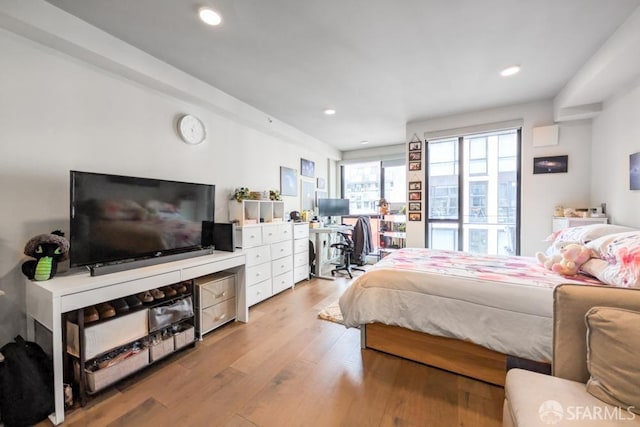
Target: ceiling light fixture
x,y
209,16
510,71
329,111
364,142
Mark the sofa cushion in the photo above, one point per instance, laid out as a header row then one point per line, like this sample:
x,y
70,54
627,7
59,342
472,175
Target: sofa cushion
x,y
613,346
539,400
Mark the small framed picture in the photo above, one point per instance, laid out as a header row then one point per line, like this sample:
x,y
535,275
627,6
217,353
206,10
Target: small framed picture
x,y
307,197
634,171
307,168
321,183
415,195
415,216
552,164
415,206
415,155
415,166
415,185
288,181
415,146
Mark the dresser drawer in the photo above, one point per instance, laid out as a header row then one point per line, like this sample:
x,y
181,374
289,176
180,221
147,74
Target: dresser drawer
x,y
282,282
300,273
257,255
218,314
301,259
281,249
215,292
281,265
300,231
300,245
251,236
273,233
259,292
258,273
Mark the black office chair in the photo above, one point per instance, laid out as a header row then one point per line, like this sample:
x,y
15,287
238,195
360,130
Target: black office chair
x,y
346,247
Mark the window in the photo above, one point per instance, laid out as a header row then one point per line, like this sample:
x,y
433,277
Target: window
x,y
472,200
364,184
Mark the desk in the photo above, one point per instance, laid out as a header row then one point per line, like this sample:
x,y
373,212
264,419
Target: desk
x,y
323,239
48,300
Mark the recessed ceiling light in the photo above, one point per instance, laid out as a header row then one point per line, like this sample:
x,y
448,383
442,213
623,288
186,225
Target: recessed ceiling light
x,y
510,71
364,142
329,111
209,16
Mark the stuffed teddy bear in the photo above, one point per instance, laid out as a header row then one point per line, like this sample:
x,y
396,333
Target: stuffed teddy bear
x,y
568,262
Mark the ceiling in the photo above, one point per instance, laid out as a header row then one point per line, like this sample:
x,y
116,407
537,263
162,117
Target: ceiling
x,y
379,63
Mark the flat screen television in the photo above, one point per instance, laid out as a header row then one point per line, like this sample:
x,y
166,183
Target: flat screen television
x,y
117,219
333,207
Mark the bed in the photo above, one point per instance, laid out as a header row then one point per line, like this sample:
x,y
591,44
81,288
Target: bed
x,y
468,313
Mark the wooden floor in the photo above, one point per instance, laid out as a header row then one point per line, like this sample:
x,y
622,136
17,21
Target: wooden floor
x,y
286,367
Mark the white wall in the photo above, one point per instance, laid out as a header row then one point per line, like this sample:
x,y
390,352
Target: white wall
x,y
616,135
540,193
59,112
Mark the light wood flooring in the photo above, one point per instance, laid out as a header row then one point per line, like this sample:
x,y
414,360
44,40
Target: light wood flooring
x,y
286,367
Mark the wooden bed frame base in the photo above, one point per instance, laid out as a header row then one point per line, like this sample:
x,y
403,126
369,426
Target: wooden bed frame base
x,y
460,357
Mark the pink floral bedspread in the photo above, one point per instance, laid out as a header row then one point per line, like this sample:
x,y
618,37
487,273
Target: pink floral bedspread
x,y
506,269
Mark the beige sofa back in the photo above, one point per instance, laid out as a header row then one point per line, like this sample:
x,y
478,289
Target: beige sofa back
x,y
570,304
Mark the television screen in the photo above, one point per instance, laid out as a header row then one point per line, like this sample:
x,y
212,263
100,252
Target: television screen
x,y
117,218
333,207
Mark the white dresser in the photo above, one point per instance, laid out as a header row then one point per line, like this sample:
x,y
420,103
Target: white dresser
x,y
300,251
560,223
269,262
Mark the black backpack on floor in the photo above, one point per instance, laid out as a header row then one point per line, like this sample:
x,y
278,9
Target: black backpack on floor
x,y
26,384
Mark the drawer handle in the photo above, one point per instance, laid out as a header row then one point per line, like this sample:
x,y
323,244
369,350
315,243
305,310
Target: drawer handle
x,y
252,236
222,316
282,266
270,234
282,250
258,256
257,274
258,293
221,295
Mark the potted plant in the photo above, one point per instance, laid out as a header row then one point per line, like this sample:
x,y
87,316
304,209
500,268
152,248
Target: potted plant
x,y
240,194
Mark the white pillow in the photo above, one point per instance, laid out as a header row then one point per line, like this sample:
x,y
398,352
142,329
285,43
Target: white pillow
x,y
581,235
617,261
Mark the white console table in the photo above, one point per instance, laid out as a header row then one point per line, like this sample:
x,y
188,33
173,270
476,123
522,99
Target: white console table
x,y
46,301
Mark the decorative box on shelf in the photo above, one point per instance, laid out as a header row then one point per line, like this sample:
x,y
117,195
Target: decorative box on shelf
x,y
184,337
101,378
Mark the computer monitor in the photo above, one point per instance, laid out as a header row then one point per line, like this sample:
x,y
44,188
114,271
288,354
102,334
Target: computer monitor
x,y
333,207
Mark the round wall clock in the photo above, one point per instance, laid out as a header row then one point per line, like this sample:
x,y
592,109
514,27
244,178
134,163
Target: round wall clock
x,y
191,129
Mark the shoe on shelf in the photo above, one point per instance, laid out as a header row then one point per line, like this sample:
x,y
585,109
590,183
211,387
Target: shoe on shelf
x,y
120,305
157,294
133,301
105,310
169,292
90,314
145,297
180,288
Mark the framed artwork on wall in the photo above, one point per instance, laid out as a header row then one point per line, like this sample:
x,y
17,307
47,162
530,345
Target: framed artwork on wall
x,y
415,195
415,166
307,197
415,155
288,181
415,206
551,164
634,171
307,168
415,185
415,216
321,183
415,146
